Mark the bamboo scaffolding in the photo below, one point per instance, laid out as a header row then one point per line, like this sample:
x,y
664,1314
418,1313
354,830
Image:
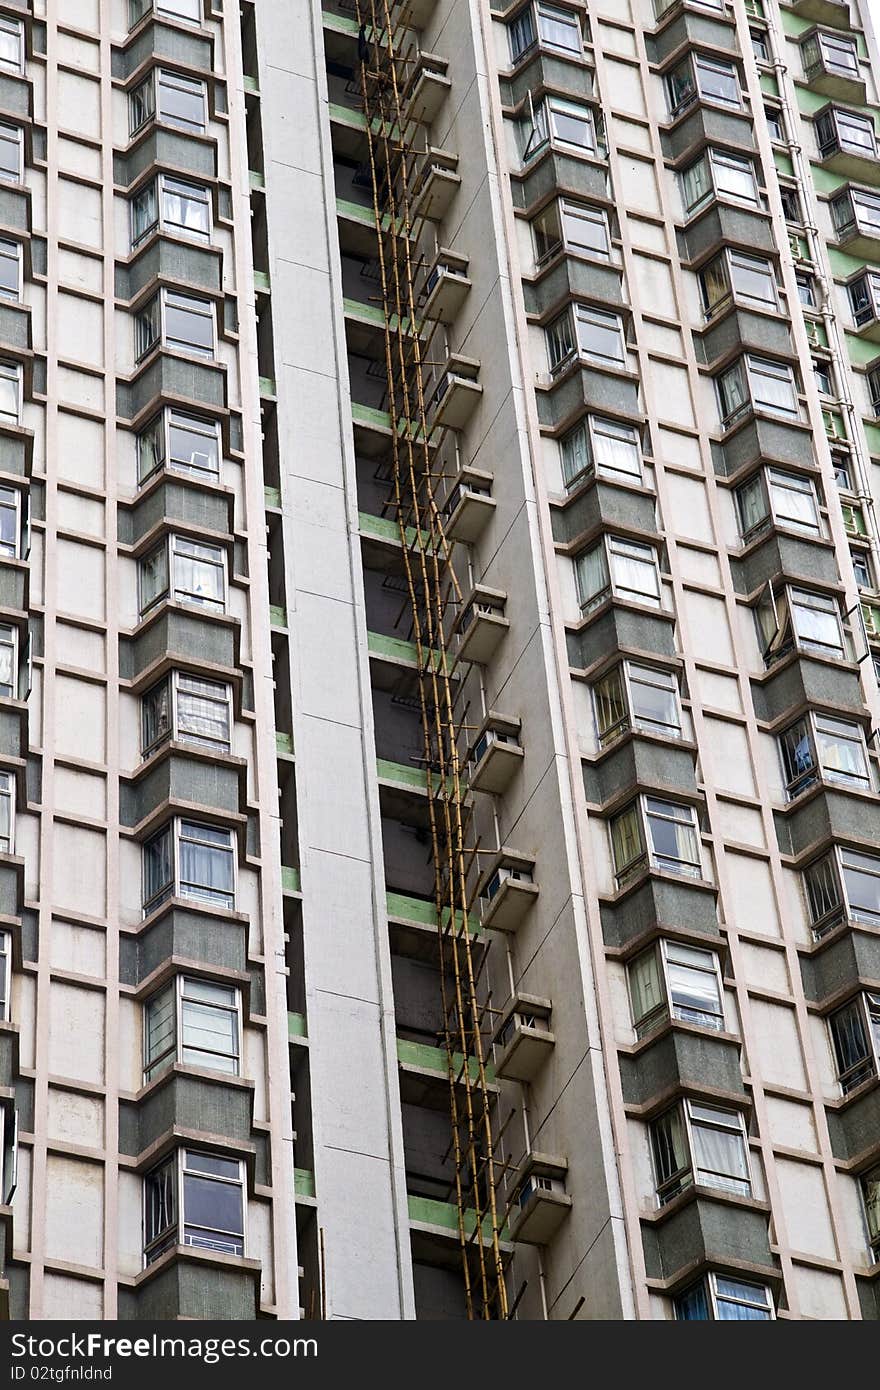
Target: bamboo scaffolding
x,y
385,60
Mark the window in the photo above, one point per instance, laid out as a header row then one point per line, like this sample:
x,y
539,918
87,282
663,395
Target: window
x,y
186,443
563,122
10,268
844,885
189,859
190,10
862,569
775,127
847,131
806,288
576,226
799,618
181,322
173,98
710,79
598,334
636,696
521,32
197,575
720,1299
188,709
716,171
557,28
627,569
775,497
675,980
842,470
870,1183
757,382
5,975
818,746
7,812
791,205
173,206
661,6
702,1144
11,140
11,44
829,53
657,834
8,662
856,209
194,1022
10,393
760,46
9,1152
750,280
196,1199
611,449
855,1035
10,522
864,298
822,376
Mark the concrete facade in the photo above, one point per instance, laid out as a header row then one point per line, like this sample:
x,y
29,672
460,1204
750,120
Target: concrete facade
x,y
642,246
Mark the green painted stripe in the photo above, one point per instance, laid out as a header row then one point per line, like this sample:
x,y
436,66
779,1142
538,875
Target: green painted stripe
x,y
430,1058
303,1182
296,1025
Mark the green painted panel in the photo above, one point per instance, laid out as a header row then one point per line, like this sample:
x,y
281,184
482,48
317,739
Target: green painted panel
x,y
273,496
303,1182
841,263
417,910
783,164
431,1213
794,25
860,351
296,1026
872,436
824,180
769,85
284,743
401,773
290,881
809,102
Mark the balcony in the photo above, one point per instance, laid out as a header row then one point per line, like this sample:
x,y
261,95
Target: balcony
x,y
832,12
426,90
508,891
481,625
470,506
424,1074
856,217
446,286
831,66
864,300
496,754
541,1203
847,143
523,1039
436,184
457,394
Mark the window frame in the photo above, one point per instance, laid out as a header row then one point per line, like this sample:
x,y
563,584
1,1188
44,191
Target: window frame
x,y
17,259
9,639
159,187
666,1008
713,158
173,733
834,121
748,369
5,975
168,79
565,342
11,371
154,316
162,11
172,592
174,1053
12,135
646,856
732,259
692,1174
630,719
173,887
8,797
611,545
542,131
564,208
796,781
10,25
693,64
768,482
837,896
708,1286
865,1005
160,429
176,1164
591,428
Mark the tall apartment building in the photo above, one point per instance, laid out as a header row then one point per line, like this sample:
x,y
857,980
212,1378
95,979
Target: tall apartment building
x,y
439,651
